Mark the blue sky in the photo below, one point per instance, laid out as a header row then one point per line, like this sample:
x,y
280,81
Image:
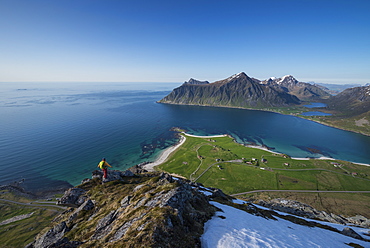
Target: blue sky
x,y
170,41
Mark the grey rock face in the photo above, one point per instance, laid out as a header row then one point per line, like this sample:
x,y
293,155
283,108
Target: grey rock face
x,y
349,232
359,220
86,206
194,81
103,227
126,201
52,237
168,210
72,198
124,228
112,175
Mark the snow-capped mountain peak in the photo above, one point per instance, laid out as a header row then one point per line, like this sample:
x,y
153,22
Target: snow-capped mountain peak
x,y
239,75
286,79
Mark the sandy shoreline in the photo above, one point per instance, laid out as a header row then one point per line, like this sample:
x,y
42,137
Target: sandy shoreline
x,y
166,153
212,136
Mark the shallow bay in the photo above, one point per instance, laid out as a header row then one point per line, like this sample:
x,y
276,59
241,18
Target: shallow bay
x,y
51,134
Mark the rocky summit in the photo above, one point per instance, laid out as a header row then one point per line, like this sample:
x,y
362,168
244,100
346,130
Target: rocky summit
x,y
148,210
154,209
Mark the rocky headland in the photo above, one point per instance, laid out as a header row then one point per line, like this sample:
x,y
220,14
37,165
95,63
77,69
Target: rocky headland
x,y
135,208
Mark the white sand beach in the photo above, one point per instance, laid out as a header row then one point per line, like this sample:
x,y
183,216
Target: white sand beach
x,y
164,155
212,136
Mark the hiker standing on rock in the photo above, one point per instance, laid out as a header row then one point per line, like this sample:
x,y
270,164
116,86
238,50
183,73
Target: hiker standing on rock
x,y
103,165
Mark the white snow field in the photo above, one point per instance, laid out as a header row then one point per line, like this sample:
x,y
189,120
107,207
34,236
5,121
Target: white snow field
x,y
241,229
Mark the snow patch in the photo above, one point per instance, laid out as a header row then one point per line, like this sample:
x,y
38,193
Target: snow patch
x,y
235,76
241,229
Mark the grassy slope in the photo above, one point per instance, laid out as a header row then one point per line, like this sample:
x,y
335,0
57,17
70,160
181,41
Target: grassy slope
x,y
240,177
22,232
346,123
338,203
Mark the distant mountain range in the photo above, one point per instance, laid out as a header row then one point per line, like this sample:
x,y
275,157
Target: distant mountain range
x,y
240,90
335,89
304,91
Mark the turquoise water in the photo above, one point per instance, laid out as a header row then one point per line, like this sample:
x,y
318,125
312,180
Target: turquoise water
x,y
52,135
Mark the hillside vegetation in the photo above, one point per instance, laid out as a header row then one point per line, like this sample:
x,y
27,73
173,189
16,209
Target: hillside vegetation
x,y
21,218
351,110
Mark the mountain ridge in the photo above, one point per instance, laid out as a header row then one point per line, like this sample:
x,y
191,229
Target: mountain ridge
x,y
238,90
304,91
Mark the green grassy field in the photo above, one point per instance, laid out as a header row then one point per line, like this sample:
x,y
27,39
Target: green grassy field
x,y
21,232
234,168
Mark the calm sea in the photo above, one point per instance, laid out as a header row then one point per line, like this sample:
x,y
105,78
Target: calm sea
x,y
53,134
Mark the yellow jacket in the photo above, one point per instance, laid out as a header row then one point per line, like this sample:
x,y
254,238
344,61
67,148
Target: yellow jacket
x,y
103,164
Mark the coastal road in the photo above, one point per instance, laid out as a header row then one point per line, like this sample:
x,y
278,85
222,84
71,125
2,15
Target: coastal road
x,y
298,191
34,205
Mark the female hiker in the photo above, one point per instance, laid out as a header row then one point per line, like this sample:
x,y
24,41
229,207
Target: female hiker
x,y
103,165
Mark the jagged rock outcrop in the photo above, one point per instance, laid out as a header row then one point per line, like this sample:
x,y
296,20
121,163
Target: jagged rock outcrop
x,y
148,210
304,210
351,233
236,91
72,198
359,220
194,81
112,175
303,91
55,238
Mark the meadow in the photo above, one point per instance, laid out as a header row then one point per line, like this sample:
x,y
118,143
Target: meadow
x,y
234,168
